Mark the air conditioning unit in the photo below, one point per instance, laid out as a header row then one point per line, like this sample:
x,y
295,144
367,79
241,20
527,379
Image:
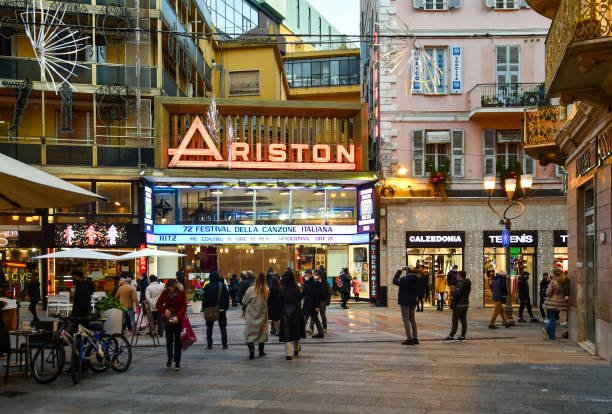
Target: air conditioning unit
x,y
532,99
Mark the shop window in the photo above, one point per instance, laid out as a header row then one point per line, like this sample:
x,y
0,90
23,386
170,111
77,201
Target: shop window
x,y
84,208
163,205
244,83
119,197
341,206
521,259
235,205
307,206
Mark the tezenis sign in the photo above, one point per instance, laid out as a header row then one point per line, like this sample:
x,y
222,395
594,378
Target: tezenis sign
x,y
259,156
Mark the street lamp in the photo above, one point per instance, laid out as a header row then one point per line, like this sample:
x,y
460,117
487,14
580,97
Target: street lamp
x,y
526,181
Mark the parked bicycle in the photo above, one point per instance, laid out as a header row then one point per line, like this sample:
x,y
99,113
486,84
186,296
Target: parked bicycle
x,y
88,345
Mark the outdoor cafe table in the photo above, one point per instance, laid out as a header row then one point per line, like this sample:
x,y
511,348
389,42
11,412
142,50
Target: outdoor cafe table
x,y
26,334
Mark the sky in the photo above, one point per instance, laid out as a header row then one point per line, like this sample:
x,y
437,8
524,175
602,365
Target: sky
x,y
343,14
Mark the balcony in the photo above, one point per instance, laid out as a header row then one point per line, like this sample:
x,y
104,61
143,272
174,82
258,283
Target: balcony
x,y
579,52
541,129
107,74
505,97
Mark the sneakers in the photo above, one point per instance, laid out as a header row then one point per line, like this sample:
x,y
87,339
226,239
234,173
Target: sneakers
x,y
408,342
309,331
534,319
449,339
544,334
563,323
521,320
461,339
319,335
324,330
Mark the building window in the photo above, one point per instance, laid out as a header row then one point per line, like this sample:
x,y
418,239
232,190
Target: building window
x,y
507,64
435,4
529,166
500,146
244,83
507,4
437,149
437,155
119,196
234,17
436,67
323,72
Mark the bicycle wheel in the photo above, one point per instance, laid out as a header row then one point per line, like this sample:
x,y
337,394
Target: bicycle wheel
x,y
76,364
120,352
94,361
48,362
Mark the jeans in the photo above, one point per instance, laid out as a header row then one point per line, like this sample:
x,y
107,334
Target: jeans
x,y
552,322
499,310
459,314
409,321
159,323
173,341
525,303
545,314
440,300
323,312
314,317
129,321
222,326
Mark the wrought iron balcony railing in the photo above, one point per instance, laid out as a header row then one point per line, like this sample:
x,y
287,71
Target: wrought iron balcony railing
x,y
507,95
541,129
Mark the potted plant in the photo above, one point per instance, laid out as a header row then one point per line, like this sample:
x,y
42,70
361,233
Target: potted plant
x,y
111,310
439,178
196,301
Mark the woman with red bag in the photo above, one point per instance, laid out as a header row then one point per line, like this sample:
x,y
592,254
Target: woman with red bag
x,y
172,304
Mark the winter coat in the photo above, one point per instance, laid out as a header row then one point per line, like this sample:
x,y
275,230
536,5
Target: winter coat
x,y
153,292
177,305
82,298
523,288
498,289
210,294
408,288
244,286
423,287
274,305
311,293
256,317
543,286
440,283
143,284
34,291
346,283
555,296
461,292
452,277
292,325
356,285
326,290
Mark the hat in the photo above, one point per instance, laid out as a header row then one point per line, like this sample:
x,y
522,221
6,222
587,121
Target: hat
x,y
308,271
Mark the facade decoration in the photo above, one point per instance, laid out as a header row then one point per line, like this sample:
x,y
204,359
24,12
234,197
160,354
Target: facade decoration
x,y
439,178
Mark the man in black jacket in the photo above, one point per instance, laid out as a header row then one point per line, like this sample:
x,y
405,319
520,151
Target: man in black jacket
x,y
345,289
543,286
407,299
461,295
325,299
523,291
34,294
209,300
311,293
83,291
245,285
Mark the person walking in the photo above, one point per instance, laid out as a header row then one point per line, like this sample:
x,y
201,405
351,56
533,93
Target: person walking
x,y
129,300
255,301
245,285
153,292
172,304
556,302
325,291
543,286
423,291
312,295
34,294
83,292
275,305
500,295
356,284
440,291
344,284
216,295
180,276
407,299
292,326
461,295
143,283
234,288
524,299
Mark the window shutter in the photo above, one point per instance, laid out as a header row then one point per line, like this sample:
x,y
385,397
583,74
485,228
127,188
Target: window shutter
x,y
419,4
491,3
418,141
457,152
528,165
488,151
455,4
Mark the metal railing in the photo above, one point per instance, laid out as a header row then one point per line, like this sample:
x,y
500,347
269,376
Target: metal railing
x,y
542,125
507,95
576,20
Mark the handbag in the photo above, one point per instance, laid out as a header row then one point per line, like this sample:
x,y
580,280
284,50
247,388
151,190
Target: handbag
x,y
187,335
211,313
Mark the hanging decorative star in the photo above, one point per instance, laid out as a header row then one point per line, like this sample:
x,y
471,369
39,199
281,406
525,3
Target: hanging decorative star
x,y
55,44
212,119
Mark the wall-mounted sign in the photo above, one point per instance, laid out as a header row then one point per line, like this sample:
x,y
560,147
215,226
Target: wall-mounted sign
x,y
519,238
417,74
237,229
243,155
260,239
456,82
90,235
604,144
560,238
435,239
366,210
587,160
8,237
374,247
148,209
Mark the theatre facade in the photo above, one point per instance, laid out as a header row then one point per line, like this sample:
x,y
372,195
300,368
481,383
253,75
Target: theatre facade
x,y
270,184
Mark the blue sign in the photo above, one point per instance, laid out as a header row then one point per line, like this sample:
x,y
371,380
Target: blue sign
x,y
505,238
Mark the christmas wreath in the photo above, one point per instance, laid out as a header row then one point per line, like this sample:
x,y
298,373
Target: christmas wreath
x,y
514,171
439,178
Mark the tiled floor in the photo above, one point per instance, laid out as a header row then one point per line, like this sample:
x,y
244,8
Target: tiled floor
x,y
359,367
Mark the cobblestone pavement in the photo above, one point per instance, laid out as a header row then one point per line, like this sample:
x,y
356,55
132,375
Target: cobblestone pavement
x,y
360,367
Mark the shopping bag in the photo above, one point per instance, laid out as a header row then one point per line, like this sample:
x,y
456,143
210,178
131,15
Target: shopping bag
x,y
187,335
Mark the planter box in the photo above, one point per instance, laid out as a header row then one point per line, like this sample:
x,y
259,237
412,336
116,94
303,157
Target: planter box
x,y
196,307
114,319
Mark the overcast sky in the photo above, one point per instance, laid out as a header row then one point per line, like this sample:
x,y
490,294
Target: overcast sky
x,y
343,14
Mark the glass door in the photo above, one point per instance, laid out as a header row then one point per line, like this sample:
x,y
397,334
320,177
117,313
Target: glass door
x,y
589,264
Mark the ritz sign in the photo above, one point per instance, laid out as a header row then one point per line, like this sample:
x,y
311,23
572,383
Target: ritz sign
x,y
257,156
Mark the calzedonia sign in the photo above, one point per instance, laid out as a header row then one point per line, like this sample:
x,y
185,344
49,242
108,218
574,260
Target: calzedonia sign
x,y
273,156
519,238
435,239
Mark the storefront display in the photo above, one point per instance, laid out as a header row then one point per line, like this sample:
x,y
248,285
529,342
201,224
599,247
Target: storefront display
x,y
560,246
523,245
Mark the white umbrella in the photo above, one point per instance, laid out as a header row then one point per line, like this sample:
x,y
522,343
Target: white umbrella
x,y
148,253
25,187
78,254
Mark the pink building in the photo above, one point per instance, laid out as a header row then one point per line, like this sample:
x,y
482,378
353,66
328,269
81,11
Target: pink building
x,y
464,123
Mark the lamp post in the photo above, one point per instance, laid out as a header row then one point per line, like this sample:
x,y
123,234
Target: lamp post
x,y
506,218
